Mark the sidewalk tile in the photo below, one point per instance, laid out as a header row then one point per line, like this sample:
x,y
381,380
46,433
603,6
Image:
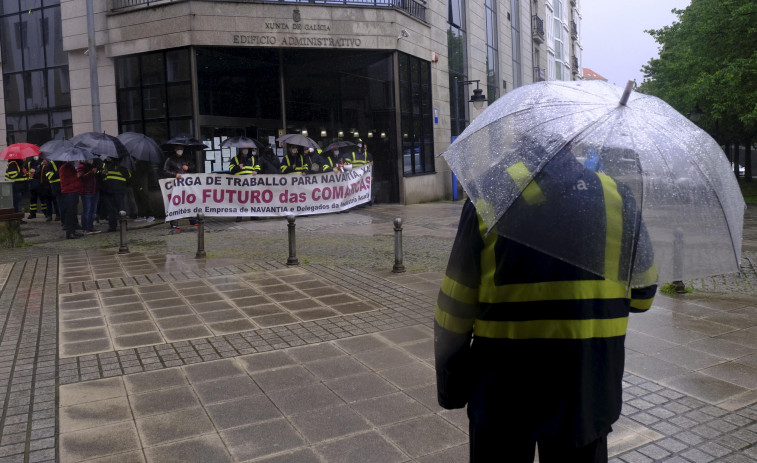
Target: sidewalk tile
x,y
98,442
208,448
258,440
178,425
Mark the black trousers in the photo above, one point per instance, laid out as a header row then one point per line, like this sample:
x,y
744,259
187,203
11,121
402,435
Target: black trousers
x,y
493,445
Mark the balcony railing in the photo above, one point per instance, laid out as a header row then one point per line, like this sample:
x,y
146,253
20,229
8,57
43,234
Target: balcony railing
x,y
573,30
414,8
540,74
574,67
537,29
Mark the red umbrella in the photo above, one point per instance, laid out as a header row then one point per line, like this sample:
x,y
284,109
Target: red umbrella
x,y
19,151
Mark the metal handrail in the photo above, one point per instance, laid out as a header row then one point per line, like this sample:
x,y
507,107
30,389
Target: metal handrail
x,y
414,8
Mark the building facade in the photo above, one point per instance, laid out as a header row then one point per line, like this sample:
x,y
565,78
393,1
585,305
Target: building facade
x,y
398,74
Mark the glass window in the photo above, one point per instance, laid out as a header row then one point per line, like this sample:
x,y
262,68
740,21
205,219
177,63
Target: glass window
x,y
9,6
54,53
27,5
127,72
129,105
34,26
36,90
59,87
154,102
15,96
455,12
177,66
416,122
153,70
11,44
180,97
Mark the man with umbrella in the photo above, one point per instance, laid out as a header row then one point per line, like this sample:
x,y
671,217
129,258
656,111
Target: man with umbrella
x,y
175,166
18,175
246,160
296,160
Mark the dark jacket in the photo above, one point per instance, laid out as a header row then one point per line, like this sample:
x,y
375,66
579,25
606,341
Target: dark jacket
x,y
173,166
533,345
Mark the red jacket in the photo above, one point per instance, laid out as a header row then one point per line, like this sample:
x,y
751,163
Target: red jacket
x,y
88,176
69,180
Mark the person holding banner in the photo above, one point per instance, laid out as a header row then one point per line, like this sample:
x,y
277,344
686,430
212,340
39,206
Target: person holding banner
x,y
358,158
329,161
174,167
244,163
295,161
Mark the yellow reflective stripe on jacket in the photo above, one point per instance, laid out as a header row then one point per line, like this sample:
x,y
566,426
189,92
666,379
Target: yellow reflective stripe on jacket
x,y
453,323
642,304
551,290
614,226
114,175
552,329
459,292
530,191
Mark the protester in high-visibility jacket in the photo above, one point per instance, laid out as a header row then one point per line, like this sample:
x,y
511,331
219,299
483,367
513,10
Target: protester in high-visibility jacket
x,y
50,178
295,161
357,158
245,162
329,161
534,345
17,174
113,190
36,196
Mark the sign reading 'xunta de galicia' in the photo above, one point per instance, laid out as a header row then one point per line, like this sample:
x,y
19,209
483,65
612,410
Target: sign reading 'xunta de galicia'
x,y
284,35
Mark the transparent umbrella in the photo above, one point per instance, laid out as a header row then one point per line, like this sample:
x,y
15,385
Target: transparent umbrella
x,y
542,162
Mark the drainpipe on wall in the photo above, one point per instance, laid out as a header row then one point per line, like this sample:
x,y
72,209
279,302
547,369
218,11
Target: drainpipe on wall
x,y
93,80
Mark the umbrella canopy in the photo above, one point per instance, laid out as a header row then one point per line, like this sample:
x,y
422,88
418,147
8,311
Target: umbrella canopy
x,y
54,145
73,153
541,164
241,142
101,144
340,144
186,141
299,140
141,147
19,151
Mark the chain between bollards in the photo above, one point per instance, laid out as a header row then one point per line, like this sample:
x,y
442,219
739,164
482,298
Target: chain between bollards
x,y
200,236
398,267
292,260
123,249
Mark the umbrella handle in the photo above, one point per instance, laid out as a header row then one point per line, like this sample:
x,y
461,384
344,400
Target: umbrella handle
x,y
626,93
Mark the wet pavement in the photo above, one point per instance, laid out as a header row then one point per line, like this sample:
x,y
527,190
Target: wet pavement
x,y
155,355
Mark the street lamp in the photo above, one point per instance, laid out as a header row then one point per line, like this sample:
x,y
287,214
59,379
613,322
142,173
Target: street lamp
x,y
478,99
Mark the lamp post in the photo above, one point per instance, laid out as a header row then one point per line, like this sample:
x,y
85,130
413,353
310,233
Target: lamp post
x,y
478,98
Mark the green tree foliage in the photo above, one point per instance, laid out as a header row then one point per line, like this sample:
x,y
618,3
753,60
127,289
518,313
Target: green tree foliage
x,y
708,67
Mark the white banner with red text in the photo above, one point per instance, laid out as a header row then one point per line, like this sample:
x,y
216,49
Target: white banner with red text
x,y
265,195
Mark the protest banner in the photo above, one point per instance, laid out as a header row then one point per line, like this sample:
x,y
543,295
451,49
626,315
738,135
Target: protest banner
x,y
265,195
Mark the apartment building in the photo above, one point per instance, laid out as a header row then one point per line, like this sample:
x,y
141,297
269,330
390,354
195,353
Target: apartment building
x,y
405,76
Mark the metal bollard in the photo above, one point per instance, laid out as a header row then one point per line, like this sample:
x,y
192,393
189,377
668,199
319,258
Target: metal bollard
x,y
123,249
678,259
398,267
200,236
292,260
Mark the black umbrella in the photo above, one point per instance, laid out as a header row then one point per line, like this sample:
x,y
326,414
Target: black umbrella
x,y
184,140
339,144
72,153
299,139
53,146
141,147
101,144
241,142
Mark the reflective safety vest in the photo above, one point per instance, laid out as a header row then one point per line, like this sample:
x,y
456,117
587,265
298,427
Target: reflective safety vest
x,y
15,172
302,166
357,159
247,167
118,174
50,171
529,342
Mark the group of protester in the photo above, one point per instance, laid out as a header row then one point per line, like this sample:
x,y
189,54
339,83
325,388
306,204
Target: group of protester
x,y
57,188
103,187
296,160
